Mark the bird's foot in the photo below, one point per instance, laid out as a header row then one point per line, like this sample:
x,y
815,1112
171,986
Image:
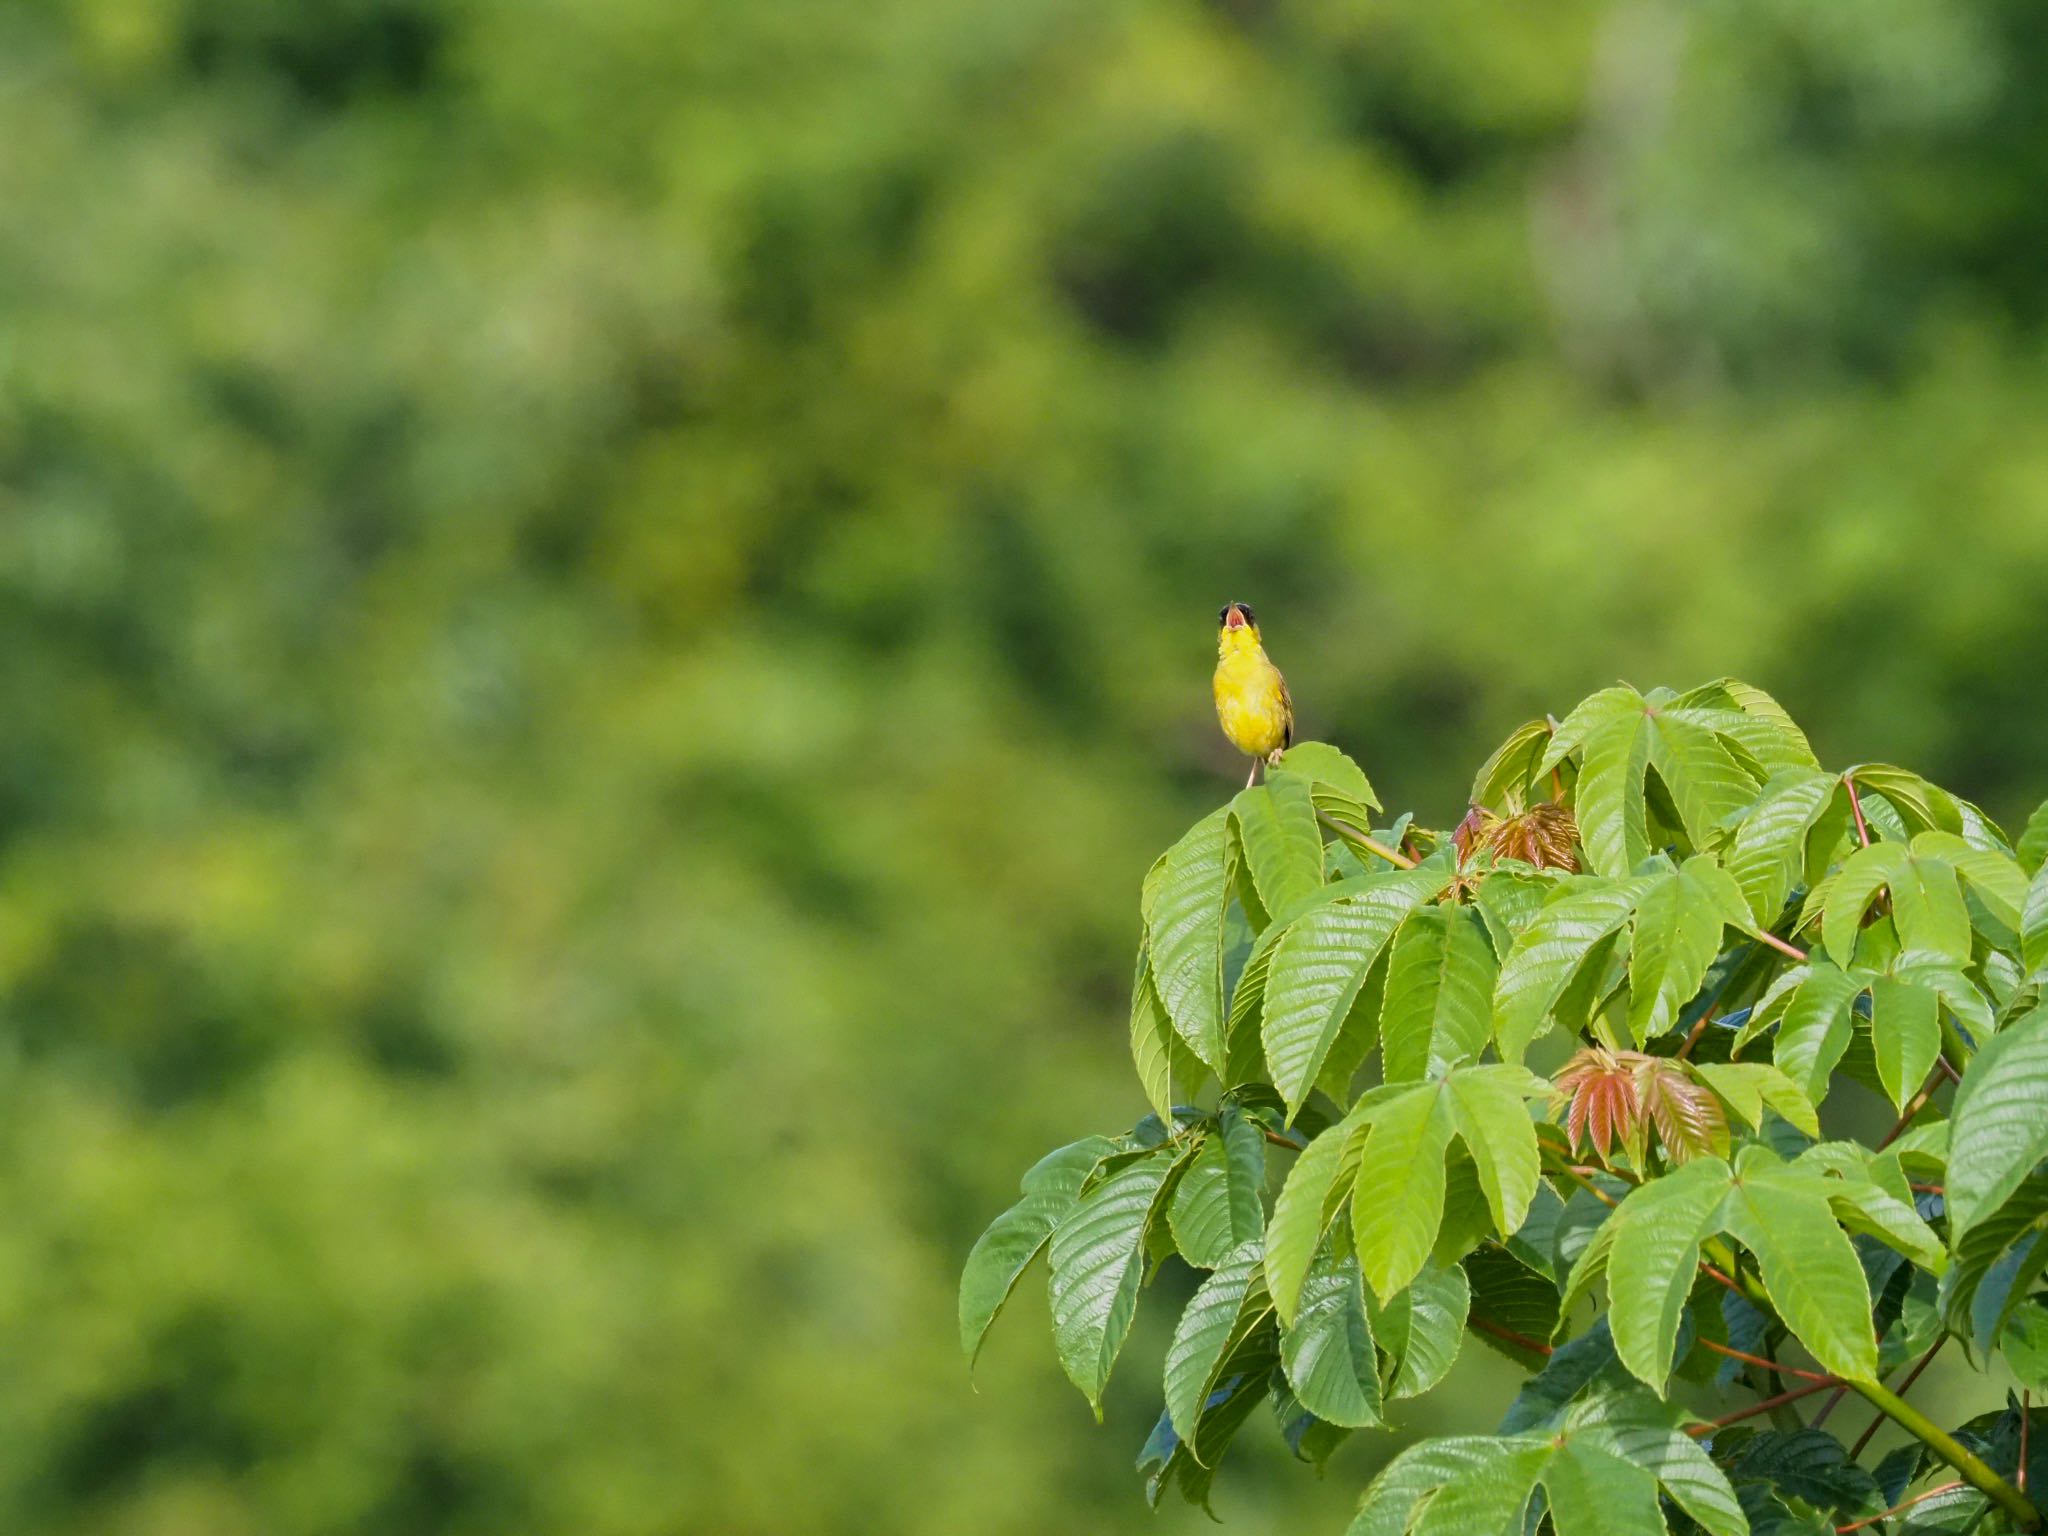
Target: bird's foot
x,y
1273,757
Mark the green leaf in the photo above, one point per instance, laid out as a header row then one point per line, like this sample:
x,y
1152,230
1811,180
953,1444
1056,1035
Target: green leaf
x,y
1398,1200
1509,901
1301,1214
1572,1368
1002,1253
1185,934
1223,1312
1098,1264
1921,806
1391,1499
1992,875
1905,1035
1502,783
1311,1439
1549,953
1601,1472
1217,1204
1509,1294
1780,1213
1157,1050
1283,846
1487,1106
1439,1000
1328,1351
1653,1256
2032,848
1927,902
1999,1124
1491,1500
1751,720
1707,785
1810,1465
1321,965
1420,1330
2034,923
1750,1087
1817,1028
1677,936
1648,1433
1590,715
1594,1492
1863,1204
1337,784
1613,820
1167,1458
1767,856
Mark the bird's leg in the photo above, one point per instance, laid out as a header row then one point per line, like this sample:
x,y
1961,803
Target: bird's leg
x,y
1252,775
1273,757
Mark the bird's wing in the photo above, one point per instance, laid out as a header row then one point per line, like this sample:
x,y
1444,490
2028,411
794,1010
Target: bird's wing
x,y
1286,712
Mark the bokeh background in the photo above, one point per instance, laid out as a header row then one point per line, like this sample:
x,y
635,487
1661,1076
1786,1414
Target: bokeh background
x,y
603,603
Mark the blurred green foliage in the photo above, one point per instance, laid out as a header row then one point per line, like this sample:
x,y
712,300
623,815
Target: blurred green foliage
x,y
604,604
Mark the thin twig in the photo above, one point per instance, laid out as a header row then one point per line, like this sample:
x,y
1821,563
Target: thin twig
x,y
1351,834
1764,935
1714,1274
1508,1335
1770,1365
1918,1498
2026,1415
1580,1179
1915,1105
1856,805
1754,1409
1698,1029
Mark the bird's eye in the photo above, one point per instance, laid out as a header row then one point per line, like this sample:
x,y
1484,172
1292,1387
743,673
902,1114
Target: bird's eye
x,y
1246,610
1223,614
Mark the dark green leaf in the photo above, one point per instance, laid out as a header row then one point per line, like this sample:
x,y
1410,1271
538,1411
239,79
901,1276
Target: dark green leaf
x,y
1224,1311
1098,1264
1999,1129
1328,1349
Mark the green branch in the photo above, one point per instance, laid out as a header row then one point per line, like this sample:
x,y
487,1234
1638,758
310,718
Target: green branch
x,y
1954,1452
1894,1407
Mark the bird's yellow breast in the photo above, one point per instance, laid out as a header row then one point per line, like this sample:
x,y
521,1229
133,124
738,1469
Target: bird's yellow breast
x,y
1251,699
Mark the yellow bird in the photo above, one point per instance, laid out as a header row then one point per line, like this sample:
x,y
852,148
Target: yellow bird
x,y
1251,695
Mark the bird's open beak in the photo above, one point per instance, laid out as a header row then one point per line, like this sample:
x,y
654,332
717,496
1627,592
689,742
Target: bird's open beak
x,y
1234,619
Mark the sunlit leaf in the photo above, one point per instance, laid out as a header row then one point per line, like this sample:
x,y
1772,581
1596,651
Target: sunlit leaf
x,y
1319,968
1676,935
1767,856
1549,953
1160,1054
1438,1009
1185,934
1780,1213
1281,843
1999,1126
